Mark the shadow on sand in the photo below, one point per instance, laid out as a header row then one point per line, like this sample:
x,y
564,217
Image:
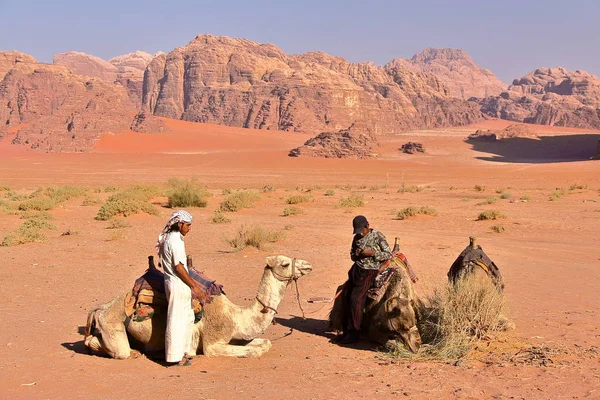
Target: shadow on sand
x,y
545,149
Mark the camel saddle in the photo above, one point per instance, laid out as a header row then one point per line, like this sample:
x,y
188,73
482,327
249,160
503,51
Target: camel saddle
x,y
474,257
381,280
148,293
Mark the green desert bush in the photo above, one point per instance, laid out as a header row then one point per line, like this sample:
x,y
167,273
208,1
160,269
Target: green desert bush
x,y
188,196
219,218
453,320
91,201
557,194
298,199
129,201
237,201
506,195
30,231
289,211
354,200
490,215
253,236
45,199
412,211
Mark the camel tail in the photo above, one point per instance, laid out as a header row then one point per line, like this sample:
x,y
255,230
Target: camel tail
x,y
92,321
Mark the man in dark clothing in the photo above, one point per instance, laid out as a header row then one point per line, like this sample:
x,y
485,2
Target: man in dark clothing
x,y
370,251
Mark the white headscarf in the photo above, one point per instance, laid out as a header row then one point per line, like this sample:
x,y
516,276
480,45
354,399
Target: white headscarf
x,y
177,216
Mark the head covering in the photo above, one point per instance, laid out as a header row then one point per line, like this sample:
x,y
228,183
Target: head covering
x,y
359,223
177,216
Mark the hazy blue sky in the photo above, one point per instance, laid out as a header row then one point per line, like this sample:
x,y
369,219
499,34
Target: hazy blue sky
x,y
509,37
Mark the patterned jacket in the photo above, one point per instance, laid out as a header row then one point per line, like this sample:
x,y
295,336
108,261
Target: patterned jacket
x,y
374,240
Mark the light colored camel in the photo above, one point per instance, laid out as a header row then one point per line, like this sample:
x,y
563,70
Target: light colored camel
x,y
390,316
222,325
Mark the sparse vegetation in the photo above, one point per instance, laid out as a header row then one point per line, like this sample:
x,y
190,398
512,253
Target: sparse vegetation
x,y
298,199
225,191
289,211
237,201
489,200
330,192
4,188
129,201
410,189
187,194
90,201
219,218
267,188
288,227
577,186
557,194
110,189
454,319
118,223
354,200
490,215
525,197
45,199
254,236
412,211
498,228
480,188
506,195
29,231
6,208
116,235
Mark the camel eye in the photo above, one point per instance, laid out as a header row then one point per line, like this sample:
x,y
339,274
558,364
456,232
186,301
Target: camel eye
x,y
285,265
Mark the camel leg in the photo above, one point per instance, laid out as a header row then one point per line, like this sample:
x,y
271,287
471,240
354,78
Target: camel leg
x,y
229,350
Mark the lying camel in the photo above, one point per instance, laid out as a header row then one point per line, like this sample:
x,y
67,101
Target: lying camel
x,y
221,323
391,315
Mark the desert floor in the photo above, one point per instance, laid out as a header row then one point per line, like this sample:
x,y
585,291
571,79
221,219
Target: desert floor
x,y
549,255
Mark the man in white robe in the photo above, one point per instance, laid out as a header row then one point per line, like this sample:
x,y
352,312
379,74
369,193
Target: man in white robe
x,y
178,287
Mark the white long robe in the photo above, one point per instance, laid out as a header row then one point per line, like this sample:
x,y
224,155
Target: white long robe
x,y
180,315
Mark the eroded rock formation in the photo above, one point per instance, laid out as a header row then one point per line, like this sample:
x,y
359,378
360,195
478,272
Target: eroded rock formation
x,y
355,142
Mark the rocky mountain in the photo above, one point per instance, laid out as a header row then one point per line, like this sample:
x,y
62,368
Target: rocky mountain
x,y
239,82
128,69
549,96
52,109
356,142
14,60
457,70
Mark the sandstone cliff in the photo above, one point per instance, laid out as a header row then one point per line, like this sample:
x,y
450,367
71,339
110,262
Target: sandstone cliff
x,y
13,60
53,109
127,70
455,68
239,82
549,96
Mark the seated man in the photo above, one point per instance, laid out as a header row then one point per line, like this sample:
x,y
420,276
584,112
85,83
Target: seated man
x,y
370,252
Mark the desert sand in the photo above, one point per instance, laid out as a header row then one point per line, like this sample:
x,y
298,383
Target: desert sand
x,y
548,254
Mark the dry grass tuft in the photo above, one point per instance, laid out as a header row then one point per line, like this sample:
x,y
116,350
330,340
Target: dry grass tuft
x,y
254,236
237,201
412,211
219,218
410,189
354,200
118,223
90,201
454,319
489,200
30,231
490,215
330,192
298,199
557,194
129,201
479,188
498,228
289,211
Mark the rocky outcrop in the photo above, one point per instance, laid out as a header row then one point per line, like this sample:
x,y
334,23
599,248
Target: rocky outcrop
x,y
355,142
14,60
127,70
511,131
148,123
549,96
52,109
412,148
455,68
238,82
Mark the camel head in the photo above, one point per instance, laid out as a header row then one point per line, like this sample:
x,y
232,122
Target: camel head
x,y
288,269
402,321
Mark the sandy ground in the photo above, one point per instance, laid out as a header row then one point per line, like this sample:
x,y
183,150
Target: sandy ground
x,y
548,255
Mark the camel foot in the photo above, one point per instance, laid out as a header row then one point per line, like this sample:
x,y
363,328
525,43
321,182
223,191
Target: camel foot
x,y
255,348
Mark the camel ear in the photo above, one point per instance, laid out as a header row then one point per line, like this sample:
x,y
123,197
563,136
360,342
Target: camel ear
x,y
272,261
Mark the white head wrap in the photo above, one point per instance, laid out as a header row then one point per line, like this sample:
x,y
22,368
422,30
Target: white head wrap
x,y
177,216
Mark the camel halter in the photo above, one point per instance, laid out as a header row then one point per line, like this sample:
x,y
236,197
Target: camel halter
x,y
288,280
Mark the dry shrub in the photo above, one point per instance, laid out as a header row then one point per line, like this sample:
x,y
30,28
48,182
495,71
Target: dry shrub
x,y
219,218
479,188
267,188
187,194
577,186
454,319
45,199
490,215
506,195
525,197
29,231
118,223
330,192
410,189
254,236
239,200
289,211
489,200
116,235
90,201
498,228
354,200
6,208
298,199
557,194
130,201
412,211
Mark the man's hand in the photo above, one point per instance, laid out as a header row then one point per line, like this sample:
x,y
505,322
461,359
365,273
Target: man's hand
x,y
367,253
198,293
